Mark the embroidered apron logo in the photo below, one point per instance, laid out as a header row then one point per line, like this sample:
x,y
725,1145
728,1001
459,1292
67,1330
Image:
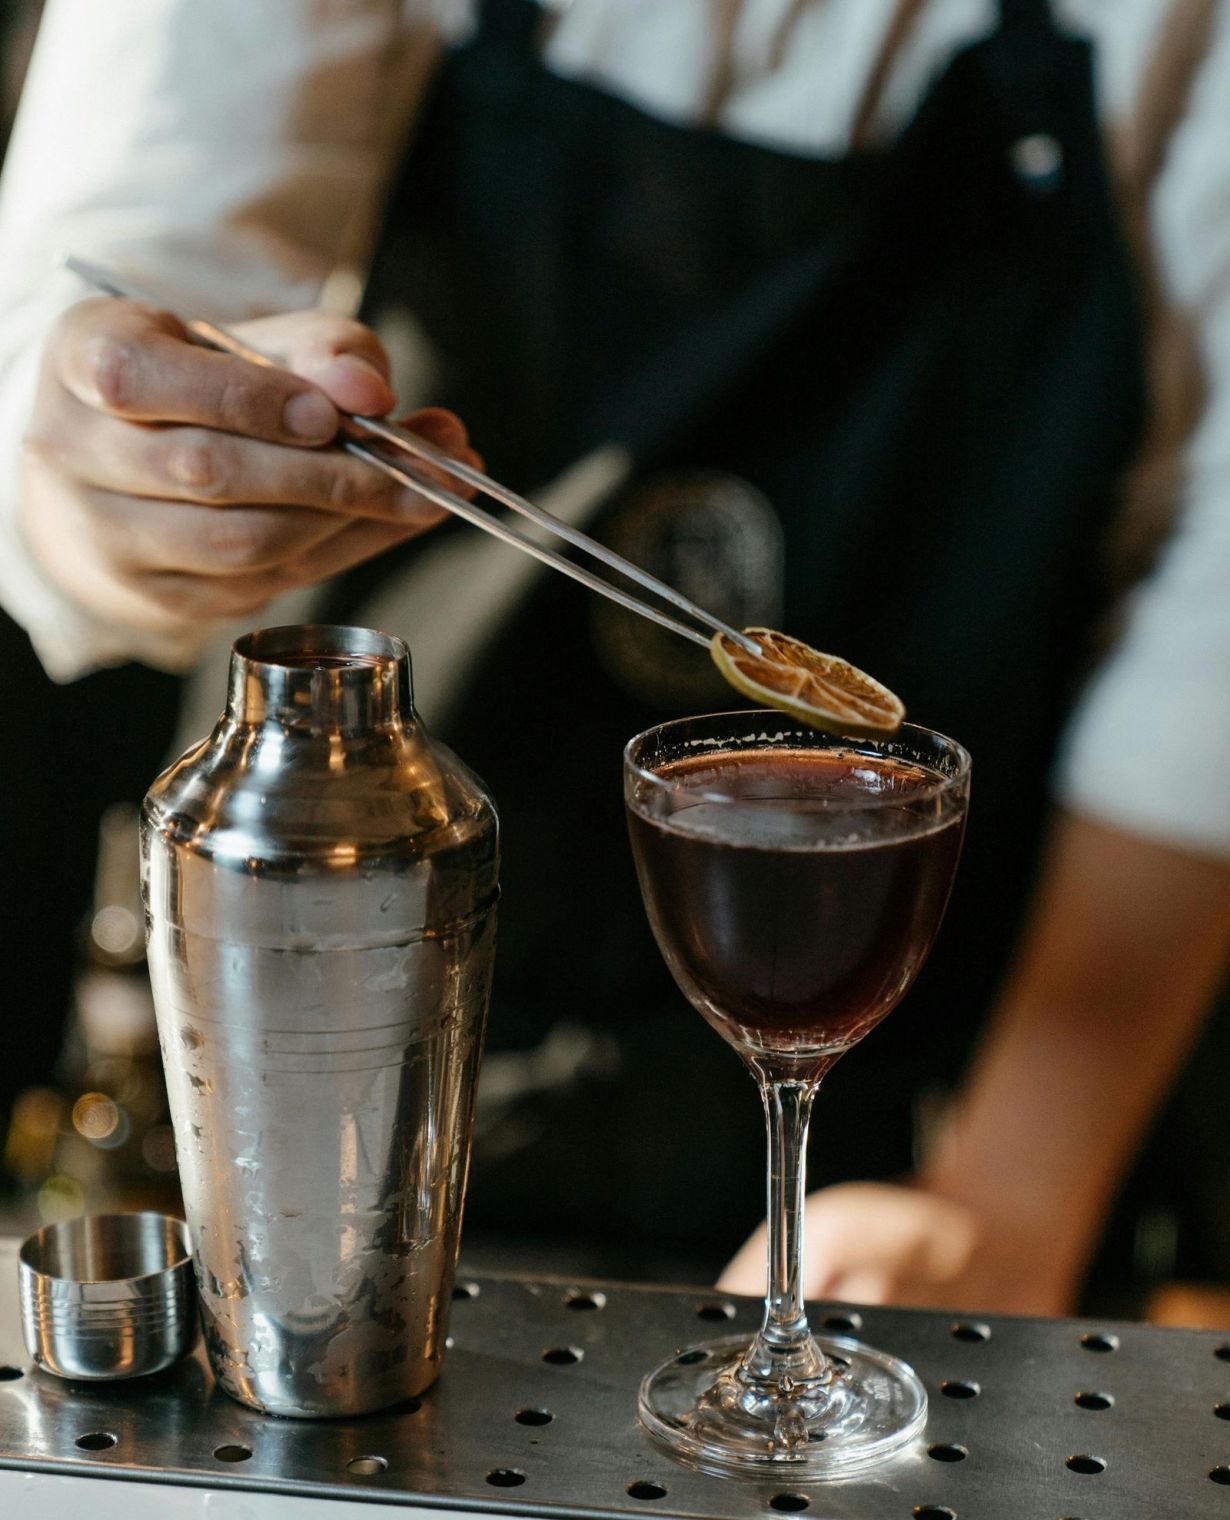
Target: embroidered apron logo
x,y
715,537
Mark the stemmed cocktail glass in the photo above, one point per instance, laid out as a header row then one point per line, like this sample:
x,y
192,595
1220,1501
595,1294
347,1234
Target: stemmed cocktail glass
x,y
795,882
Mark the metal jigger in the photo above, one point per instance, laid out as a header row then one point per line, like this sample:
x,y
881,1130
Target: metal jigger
x,y
108,1295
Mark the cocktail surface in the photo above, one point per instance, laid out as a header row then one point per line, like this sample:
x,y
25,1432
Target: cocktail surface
x,y
795,892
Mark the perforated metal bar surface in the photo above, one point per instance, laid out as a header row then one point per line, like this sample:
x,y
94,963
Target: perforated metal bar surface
x,y
1029,1419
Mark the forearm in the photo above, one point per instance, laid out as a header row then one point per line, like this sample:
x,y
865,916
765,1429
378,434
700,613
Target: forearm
x,y
1124,950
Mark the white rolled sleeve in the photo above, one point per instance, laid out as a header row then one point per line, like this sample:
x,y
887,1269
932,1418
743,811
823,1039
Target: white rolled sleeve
x,y
227,156
1148,746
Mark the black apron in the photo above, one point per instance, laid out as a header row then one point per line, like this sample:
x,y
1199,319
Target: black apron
x,y
928,360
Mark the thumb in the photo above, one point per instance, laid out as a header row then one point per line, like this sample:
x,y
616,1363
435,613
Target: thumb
x,y
745,1272
871,1233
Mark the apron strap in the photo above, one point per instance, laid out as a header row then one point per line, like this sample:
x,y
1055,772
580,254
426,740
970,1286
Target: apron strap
x,y
722,62
1138,151
1025,15
1027,19
897,31
513,22
1183,39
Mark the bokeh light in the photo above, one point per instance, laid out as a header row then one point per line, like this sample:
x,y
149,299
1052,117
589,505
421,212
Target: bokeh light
x,y
96,1117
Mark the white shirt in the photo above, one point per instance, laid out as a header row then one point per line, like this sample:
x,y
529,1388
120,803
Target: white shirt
x,y
232,153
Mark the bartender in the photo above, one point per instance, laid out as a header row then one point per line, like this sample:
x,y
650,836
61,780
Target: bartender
x,y
896,324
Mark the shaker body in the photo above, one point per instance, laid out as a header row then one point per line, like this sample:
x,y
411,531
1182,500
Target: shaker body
x,y
320,886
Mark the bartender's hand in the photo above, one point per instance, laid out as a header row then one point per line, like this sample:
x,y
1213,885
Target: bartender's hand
x,y
1127,943
869,1243
873,1243
166,485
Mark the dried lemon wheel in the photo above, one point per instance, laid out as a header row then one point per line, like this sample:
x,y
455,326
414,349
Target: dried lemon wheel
x,y
819,689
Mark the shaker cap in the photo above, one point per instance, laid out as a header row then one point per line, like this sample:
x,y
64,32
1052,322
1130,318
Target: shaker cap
x,y
321,675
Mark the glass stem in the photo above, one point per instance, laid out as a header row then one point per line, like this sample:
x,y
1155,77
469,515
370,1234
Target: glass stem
x,y
784,1347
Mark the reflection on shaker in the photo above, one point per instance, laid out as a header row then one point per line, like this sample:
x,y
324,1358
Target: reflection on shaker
x,y
320,882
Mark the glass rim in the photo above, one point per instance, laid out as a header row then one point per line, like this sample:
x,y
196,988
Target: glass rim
x,y
930,789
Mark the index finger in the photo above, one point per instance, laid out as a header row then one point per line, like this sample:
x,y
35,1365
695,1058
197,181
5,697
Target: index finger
x,y
135,362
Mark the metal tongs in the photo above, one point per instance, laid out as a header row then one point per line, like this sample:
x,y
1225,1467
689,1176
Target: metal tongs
x,y
353,436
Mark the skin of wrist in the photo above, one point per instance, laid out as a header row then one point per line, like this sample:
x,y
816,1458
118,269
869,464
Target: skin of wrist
x,y
1034,1252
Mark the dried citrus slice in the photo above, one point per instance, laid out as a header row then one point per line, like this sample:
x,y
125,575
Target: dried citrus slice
x,y
817,688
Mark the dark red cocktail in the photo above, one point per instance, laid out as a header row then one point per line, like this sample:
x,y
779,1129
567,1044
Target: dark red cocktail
x,y
791,914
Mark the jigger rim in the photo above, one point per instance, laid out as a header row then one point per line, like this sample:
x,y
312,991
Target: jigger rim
x,y
63,1234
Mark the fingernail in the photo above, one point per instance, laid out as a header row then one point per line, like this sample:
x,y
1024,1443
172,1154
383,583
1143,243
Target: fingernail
x,y
310,415
411,507
359,366
358,385
443,428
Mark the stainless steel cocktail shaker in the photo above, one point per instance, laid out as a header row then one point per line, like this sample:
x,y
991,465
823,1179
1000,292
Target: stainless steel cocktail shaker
x,y
320,881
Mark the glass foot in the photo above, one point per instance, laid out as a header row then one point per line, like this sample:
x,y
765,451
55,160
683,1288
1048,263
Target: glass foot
x,y
864,1408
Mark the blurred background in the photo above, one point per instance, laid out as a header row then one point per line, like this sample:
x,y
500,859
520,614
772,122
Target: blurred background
x,y
94,1133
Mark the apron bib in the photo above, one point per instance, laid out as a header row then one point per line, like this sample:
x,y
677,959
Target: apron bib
x,y
894,393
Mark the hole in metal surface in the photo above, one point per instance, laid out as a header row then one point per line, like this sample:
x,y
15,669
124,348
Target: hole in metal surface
x,y
947,1452
690,1358
933,1512
1222,1353
715,1312
790,1503
562,1356
232,1453
1222,1411
506,1477
645,1490
1100,1340
849,1322
590,1300
466,1290
960,1388
1220,1474
973,1331
367,1467
1094,1400
96,1440
1086,1465
10,1374
533,1417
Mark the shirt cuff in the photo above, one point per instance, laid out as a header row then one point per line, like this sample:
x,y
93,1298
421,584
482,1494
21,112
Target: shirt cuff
x,y
1148,750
